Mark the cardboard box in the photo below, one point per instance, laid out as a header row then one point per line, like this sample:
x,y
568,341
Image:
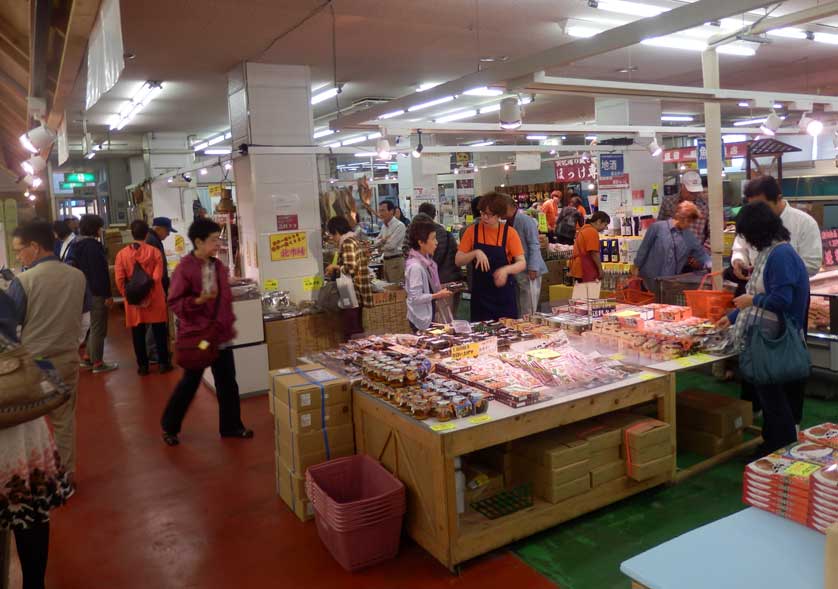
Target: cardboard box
x,y
556,494
498,458
607,472
705,443
302,392
299,503
528,471
606,456
281,355
309,421
553,449
643,471
650,453
300,451
481,482
645,431
715,414
599,435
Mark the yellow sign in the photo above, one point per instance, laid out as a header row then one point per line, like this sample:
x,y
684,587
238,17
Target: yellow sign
x,y
543,354
443,427
270,284
802,469
465,351
216,190
617,357
313,283
180,244
542,223
288,246
480,419
690,361
469,219
644,376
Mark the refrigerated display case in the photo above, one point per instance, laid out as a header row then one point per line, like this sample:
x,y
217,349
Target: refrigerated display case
x,y
823,320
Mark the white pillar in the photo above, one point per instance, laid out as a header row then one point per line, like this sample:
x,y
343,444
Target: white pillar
x,y
270,105
168,152
713,126
413,180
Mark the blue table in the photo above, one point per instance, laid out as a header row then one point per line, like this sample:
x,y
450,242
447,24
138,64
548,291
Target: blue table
x,y
752,548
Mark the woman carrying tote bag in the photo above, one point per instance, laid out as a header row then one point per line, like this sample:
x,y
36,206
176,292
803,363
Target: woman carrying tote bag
x,y
32,478
769,321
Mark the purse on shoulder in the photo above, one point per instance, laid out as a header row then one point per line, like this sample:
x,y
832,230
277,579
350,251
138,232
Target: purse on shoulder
x,y
774,360
29,388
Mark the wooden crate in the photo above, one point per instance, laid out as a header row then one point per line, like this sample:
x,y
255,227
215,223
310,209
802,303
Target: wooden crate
x,y
386,318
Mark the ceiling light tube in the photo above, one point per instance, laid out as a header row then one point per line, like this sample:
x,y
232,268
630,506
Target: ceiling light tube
x,y
228,135
677,118
141,99
457,116
582,32
536,137
390,115
373,136
483,144
788,33
216,140
354,140
427,86
483,91
323,133
828,38
332,145
324,95
200,146
366,154
631,8
218,151
430,103
489,109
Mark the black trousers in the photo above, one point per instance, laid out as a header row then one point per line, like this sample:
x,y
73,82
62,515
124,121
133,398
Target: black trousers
x,y
795,395
160,331
780,405
33,549
226,389
352,322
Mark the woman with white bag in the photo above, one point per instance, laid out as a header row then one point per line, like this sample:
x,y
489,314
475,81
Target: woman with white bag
x,y
353,263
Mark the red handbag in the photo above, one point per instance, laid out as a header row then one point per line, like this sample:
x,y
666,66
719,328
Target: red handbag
x,y
198,351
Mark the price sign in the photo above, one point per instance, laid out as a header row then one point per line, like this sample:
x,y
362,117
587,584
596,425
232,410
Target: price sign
x,y
644,376
287,222
471,350
312,283
443,427
542,223
617,357
802,469
270,284
543,354
488,345
288,246
829,240
469,219
480,419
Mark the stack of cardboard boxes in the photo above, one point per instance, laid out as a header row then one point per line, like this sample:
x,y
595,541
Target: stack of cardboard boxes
x,y
569,461
288,339
313,418
388,313
709,424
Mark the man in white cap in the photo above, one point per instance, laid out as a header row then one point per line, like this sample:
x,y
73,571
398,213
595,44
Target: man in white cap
x,y
691,190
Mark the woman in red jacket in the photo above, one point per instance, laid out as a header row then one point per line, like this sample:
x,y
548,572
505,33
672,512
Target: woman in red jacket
x,y
152,311
201,299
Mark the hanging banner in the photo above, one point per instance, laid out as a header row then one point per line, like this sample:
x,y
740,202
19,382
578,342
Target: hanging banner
x,y
575,169
105,53
691,154
288,246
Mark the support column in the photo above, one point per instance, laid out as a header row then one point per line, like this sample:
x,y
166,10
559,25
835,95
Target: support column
x,y
164,153
413,177
270,105
715,196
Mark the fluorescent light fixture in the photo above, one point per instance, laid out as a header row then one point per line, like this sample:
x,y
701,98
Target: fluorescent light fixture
x,y
37,139
734,138
169,180
430,103
483,91
678,42
631,8
390,115
582,32
745,104
677,118
228,135
591,137
332,145
748,122
828,38
323,133
90,155
524,100
324,95
374,136
457,116
34,165
354,140
536,137
147,92
366,154
788,33
216,140
483,144
218,151
489,109
427,86
200,146
204,172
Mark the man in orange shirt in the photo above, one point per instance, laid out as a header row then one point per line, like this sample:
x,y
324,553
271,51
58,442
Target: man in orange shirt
x,y
496,251
587,264
551,208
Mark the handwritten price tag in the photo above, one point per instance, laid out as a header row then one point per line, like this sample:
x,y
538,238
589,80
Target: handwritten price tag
x,y
469,219
542,223
443,427
690,361
288,246
270,284
644,376
543,354
313,283
480,419
465,351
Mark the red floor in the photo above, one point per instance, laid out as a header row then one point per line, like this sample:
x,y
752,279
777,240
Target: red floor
x,y
204,514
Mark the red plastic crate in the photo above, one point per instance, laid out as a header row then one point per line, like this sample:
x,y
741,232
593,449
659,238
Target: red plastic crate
x,y
361,547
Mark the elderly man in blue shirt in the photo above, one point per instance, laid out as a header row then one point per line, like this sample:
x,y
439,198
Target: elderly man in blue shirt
x,y
667,246
528,283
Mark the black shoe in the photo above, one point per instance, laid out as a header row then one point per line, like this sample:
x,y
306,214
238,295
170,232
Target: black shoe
x,y
164,368
242,433
142,370
170,439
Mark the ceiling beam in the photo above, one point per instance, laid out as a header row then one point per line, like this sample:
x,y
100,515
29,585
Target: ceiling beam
x,y
770,24
684,17
397,128
80,23
20,62
14,38
12,84
39,43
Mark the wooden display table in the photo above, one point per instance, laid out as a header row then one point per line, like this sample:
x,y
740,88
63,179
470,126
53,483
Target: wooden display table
x,y
421,454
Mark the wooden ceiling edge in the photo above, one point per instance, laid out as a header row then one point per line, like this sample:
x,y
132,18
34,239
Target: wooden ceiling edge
x,y
79,25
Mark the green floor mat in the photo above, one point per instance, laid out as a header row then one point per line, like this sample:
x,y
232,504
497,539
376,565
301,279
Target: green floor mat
x,y
586,553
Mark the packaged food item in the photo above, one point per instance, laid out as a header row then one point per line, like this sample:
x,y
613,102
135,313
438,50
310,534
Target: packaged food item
x,y
479,403
444,410
825,434
462,406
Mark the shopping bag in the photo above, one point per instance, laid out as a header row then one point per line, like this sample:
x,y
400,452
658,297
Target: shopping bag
x,y
765,360
346,289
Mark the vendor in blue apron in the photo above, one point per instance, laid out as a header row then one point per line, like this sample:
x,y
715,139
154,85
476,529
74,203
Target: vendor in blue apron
x,y
495,250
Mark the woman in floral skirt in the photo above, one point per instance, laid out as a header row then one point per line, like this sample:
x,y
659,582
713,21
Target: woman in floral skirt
x,y
32,480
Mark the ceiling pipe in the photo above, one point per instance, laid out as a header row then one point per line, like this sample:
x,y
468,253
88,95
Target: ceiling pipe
x,y
780,22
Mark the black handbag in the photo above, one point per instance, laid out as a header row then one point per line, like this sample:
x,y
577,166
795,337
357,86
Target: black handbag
x,y
139,286
328,298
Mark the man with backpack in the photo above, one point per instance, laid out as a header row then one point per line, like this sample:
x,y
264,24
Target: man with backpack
x,y
139,278
88,255
568,222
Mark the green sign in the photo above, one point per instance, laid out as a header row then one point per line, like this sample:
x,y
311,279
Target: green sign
x,y
394,167
71,185
81,177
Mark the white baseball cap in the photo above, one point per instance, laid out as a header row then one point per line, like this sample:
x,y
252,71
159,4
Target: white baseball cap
x,y
692,181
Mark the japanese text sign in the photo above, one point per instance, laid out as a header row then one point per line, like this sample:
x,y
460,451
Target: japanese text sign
x,y
575,169
829,239
288,246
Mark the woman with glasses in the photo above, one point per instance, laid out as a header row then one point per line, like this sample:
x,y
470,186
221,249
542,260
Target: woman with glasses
x,y
495,250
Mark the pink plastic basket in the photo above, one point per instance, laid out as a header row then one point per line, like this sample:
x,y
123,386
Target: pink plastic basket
x,y
358,507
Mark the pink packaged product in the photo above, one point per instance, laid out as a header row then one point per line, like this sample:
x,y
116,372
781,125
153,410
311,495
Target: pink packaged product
x,y
825,434
776,470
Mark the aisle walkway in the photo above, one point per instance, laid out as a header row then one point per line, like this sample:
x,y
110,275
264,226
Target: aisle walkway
x,y
204,514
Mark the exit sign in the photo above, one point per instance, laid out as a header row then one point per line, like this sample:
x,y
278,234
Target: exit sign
x,y
393,167
70,185
80,177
